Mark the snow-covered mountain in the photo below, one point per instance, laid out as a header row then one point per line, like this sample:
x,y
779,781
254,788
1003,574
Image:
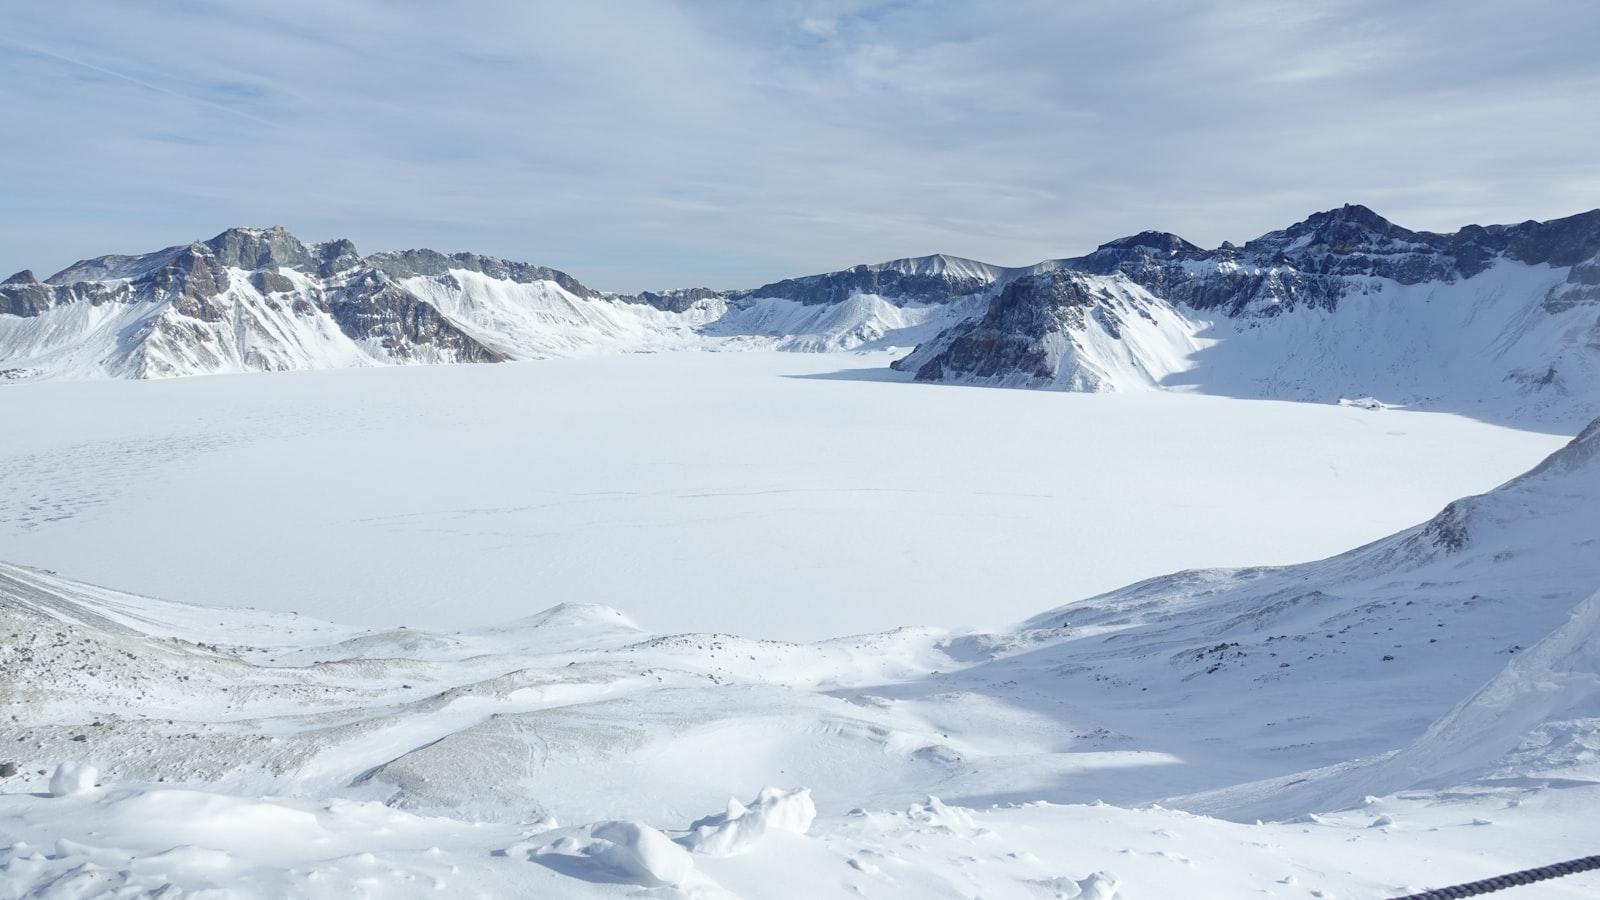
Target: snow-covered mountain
x,y
261,300
1500,322
1063,329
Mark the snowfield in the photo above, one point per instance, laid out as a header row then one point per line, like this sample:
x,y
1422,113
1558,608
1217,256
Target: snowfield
x,y
495,648
573,754
774,495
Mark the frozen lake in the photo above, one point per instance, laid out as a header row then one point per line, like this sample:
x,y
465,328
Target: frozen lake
x,y
772,495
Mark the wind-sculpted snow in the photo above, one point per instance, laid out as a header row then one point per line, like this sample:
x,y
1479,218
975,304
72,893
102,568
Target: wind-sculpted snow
x,y
742,826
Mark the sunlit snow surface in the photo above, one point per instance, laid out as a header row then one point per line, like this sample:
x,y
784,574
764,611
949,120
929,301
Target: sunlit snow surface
x,y
1418,711
789,496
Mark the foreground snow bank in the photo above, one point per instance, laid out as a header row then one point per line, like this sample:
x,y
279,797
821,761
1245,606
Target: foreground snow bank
x,y
137,841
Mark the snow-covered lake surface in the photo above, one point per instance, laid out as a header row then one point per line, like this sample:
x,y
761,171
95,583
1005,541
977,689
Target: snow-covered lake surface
x,y
791,496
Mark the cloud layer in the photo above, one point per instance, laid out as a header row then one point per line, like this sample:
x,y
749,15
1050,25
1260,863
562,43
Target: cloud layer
x,y
661,144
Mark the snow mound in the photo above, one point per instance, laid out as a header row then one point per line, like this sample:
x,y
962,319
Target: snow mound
x,y
71,779
1098,886
625,851
742,827
934,815
574,615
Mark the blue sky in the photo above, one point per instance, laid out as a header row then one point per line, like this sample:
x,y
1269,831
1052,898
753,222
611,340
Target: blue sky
x,y
669,144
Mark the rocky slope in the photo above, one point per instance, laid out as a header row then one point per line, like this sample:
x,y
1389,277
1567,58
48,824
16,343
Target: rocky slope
x,y
1062,329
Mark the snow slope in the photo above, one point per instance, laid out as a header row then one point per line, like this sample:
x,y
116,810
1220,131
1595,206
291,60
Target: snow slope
x,y
1492,348
378,751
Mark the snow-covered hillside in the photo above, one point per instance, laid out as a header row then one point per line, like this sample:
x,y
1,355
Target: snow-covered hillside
x,y
601,757
1499,322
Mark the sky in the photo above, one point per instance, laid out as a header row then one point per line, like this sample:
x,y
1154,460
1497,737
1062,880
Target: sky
x,y
646,145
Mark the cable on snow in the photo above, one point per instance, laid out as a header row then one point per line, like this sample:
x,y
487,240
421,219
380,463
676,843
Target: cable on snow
x,y
1510,880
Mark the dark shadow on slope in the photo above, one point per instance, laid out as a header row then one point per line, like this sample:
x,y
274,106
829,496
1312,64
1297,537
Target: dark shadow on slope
x,y
1223,370
881,374
1236,367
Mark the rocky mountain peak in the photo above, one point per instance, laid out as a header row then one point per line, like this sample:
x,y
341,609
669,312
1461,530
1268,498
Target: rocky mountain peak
x,y
924,279
1163,242
260,248
24,277
1350,228
1357,215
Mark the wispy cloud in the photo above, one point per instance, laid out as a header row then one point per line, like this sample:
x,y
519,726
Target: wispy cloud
x,y
650,144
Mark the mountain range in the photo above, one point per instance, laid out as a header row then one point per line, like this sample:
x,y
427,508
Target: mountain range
x,y
1500,321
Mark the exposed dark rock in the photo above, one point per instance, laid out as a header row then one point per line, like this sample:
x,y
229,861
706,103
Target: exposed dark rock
x,y
671,301
408,263
260,248
923,279
1008,340
1582,288
336,256
192,280
1309,263
269,282
376,308
22,298
1448,529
